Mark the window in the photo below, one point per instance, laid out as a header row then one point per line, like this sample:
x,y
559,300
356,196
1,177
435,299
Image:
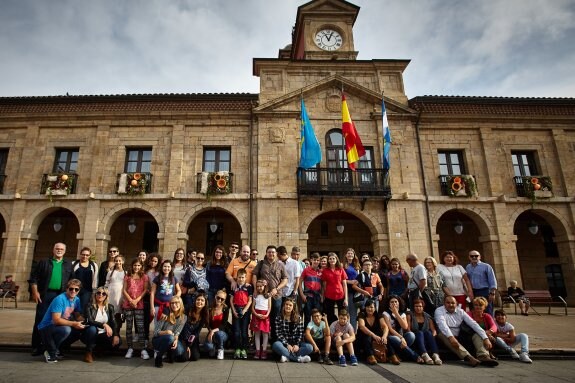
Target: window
x,y
66,160
523,164
335,149
138,160
365,167
217,159
3,161
451,163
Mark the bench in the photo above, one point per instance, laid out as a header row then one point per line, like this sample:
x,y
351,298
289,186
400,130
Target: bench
x,y
544,298
507,299
11,294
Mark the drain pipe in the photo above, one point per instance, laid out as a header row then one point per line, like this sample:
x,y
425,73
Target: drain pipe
x,y
251,177
427,216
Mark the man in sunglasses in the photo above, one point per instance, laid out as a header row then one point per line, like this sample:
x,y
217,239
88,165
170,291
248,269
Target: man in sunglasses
x,y
47,280
482,279
62,321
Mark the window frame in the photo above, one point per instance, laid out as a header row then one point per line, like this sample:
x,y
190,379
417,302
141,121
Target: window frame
x,y
140,161
69,162
218,161
521,166
450,164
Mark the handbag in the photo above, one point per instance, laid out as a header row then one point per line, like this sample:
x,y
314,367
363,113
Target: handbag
x,y
379,351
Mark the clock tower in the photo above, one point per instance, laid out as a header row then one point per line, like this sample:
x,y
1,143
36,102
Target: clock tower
x,y
323,31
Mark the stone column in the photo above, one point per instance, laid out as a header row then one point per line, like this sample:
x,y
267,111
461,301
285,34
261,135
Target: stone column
x,y
502,255
566,247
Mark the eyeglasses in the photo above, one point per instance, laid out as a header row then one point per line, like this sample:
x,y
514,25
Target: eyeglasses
x,y
75,289
85,255
101,293
254,253
199,258
234,247
114,251
220,299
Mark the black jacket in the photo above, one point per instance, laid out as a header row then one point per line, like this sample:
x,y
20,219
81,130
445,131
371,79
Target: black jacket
x,y
42,273
90,313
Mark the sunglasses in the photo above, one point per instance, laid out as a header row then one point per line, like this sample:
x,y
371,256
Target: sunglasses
x,y
234,247
199,258
113,251
220,299
85,255
101,293
473,256
254,253
75,289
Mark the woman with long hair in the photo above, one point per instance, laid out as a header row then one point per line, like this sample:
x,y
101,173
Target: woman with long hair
x,y
289,332
350,264
151,269
179,265
333,287
436,289
371,328
218,326
397,279
164,287
135,288
115,285
197,319
216,272
167,332
400,338
101,329
422,325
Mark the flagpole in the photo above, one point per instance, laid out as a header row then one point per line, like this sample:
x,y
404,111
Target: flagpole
x,y
343,160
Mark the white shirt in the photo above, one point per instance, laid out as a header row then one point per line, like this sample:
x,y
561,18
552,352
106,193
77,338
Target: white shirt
x,y
417,274
449,323
293,271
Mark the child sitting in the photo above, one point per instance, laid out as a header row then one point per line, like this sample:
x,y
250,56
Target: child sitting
x,y
343,334
317,334
506,338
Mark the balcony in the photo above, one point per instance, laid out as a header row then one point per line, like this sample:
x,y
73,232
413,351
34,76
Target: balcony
x,y
343,182
134,184
458,185
533,186
2,179
58,184
214,183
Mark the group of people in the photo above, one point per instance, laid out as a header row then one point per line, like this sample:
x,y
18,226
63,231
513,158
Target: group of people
x,y
383,311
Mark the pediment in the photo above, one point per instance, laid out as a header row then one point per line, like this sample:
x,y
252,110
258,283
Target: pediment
x,y
328,6
290,101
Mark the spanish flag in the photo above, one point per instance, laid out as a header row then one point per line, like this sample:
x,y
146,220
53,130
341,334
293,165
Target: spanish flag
x,y
353,146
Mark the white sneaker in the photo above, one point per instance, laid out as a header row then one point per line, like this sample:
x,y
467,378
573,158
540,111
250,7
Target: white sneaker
x,y
130,353
304,359
513,353
283,359
220,355
144,355
524,357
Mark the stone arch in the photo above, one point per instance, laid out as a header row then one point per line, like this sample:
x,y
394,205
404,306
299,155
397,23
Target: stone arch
x,y
38,215
4,214
478,216
109,218
201,208
552,215
367,219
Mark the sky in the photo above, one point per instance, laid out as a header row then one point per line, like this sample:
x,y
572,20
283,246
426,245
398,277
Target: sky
x,y
515,48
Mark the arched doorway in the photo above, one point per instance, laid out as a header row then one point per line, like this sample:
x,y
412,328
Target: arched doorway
x,y
2,231
213,227
336,231
538,254
459,233
134,230
60,225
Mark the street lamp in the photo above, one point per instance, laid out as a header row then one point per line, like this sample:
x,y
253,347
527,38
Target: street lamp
x,y
458,227
533,227
131,225
213,225
57,225
339,227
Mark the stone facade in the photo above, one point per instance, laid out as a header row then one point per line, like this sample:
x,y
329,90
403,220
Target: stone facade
x,y
266,204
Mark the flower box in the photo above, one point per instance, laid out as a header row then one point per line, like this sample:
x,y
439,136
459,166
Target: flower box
x,y
134,183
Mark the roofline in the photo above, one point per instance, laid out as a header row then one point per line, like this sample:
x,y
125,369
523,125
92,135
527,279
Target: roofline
x,y
491,100
132,97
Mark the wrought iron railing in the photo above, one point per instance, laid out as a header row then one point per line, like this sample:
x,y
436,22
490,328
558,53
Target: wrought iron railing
x,y
59,183
134,183
343,182
533,186
213,183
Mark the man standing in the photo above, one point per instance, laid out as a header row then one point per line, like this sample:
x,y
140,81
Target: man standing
x,y
47,281
310,287
274,272
293,271
417,279
254,255
295,255
450,321
482,279
242,262
233,251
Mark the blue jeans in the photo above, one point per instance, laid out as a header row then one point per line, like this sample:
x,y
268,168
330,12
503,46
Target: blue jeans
x,y
163,344
280,349
218,341
41,309
91,339
240,327
425,342
394,346
53,336
312,302
352,310
522,339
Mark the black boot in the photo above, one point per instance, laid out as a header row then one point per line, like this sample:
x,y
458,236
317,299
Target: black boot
x,y
158,361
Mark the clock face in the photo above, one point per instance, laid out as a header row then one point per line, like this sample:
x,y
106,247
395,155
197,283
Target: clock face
x,y
328,40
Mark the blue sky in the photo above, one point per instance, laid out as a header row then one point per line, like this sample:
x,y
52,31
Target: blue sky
x,y
520,48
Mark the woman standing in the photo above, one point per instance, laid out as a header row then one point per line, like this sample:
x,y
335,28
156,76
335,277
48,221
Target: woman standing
x,y
179,265
101,329
195,280
86,271
216,273
456,279
115,285
167,332
397,279
164,287
371,328
350,264
218,326
135,288
197,319
151,270
333,287
436,288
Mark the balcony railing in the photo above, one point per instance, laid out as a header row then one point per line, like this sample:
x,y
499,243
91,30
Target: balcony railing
x,y
213,183
134,183
2,179
533,186
59,184
458,185
343,182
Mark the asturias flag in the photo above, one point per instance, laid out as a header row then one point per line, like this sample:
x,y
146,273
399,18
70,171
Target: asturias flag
x,y
310,149
353,146
386,137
